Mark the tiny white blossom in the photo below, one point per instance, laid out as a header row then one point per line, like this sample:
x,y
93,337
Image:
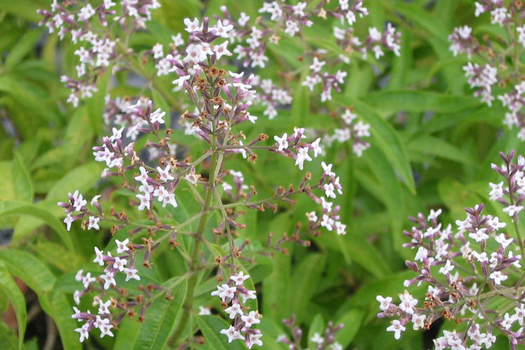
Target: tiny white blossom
x,y
397,328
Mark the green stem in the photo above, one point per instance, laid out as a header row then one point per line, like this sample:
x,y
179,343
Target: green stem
x,y
194,264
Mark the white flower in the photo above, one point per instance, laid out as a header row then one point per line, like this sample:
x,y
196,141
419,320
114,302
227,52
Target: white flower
x,y
84,333
499,15
312,217
222,50
103,308
68,221
253,339
302,155
496,192
513,209
224,292
291,28
109,281
407,302
204,311
122,247
328,169
503,241
479,235
232,334
419,321
87,280
317,339
498,277
144,201
434,214
158,51
282,141
157,116
93,223
445,270
234,310
317,65
195,53
99,257
165,174
131,274
384,302
317,149
143,177
422,253
180,80
192,26
85,13
119,263
327,222
177,39
329,190
508,321
239,278
397,328
340,228
106,330
222,30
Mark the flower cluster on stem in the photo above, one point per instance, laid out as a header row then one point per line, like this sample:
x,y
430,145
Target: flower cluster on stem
x,y
473,271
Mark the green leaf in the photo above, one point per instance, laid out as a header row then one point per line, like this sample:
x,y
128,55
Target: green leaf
x,y
419,101
29,269
7,338
23,46
352,322
82,178
160,319
42,214
59,308
22,184
391,192
366,255
436,147
211,327
277,287
305,280
301,102
7,192
38,277
17,300
57,255
27,97
23,8
385,137
79,132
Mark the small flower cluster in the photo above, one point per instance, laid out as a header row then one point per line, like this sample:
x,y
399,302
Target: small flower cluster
x,y
106,282
326,342
352,130
329,182
495,77
234,296
270,96
293,19
92,27
469,272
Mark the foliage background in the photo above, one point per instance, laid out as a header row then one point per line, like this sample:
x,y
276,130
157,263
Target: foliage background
x,y
432,146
